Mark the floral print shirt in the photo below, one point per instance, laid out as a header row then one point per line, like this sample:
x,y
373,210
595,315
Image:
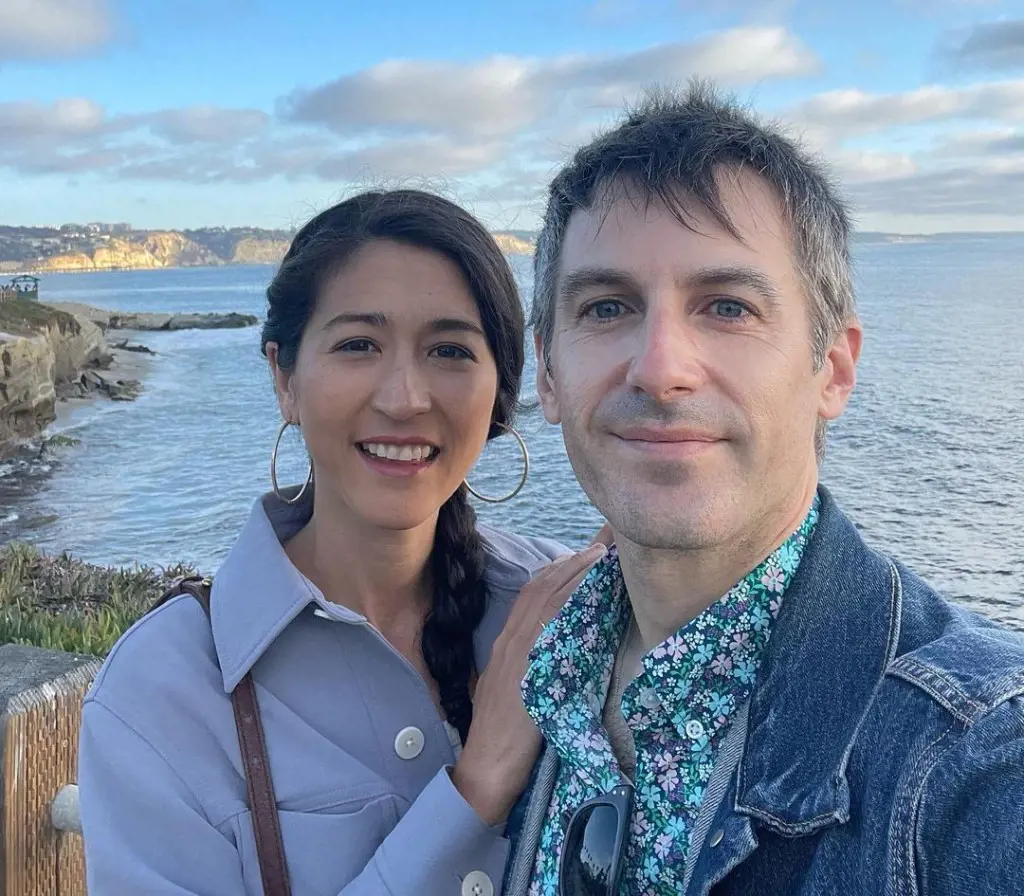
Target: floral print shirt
x,y
679,709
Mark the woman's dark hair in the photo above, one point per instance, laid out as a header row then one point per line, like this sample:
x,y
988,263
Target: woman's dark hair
x,y
319,251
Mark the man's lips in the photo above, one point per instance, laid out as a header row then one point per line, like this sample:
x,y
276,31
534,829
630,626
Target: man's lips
x,y
658,435
666,444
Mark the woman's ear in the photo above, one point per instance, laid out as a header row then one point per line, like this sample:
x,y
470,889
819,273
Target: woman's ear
x,y
284,384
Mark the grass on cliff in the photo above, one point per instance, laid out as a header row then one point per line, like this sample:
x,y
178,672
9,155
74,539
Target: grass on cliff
x,y
61,603
25,317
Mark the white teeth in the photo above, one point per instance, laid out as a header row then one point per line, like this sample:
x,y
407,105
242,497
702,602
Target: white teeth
x,y
407,453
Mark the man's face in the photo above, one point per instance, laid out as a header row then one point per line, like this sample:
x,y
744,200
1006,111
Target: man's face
x,y
681,369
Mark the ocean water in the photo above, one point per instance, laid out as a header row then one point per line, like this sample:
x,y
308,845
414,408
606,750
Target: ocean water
x,y
928,459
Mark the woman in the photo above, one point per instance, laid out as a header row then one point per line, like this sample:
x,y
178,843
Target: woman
x,y
380,625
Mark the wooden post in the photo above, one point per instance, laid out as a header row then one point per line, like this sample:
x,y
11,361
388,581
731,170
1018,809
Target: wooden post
x,y
41,695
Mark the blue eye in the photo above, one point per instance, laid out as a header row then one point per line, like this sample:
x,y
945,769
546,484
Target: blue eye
x,y
730,309
604,309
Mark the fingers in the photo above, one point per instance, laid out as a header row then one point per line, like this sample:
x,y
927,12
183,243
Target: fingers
x,y
545,594
576,565
604,536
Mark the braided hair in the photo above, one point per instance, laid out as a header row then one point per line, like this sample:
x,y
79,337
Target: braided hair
x,y
425,221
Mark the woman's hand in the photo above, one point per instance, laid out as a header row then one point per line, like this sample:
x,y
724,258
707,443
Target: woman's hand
x,y
503,742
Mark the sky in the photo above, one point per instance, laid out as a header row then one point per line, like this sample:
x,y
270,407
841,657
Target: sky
x,y
192,113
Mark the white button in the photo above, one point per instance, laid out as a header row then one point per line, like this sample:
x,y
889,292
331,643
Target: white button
x,y
694,729
649,699
476,883
717,838
409,743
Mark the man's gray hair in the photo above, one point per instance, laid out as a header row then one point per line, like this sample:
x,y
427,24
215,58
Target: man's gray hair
x,y
669,149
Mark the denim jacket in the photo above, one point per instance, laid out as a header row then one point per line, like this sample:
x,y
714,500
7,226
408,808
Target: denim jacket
x,y
881,752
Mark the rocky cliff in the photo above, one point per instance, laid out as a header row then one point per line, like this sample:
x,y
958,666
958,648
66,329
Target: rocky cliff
x,y
256,251
93,248
155,249
513,245
41,349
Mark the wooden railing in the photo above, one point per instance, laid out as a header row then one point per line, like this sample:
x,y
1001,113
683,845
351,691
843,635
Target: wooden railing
x,y
41,691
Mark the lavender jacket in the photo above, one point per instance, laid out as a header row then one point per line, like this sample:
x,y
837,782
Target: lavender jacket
x,y
359,755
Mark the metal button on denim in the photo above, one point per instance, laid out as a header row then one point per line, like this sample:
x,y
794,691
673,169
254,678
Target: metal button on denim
x,y
694,729
409,743
476,883
716,838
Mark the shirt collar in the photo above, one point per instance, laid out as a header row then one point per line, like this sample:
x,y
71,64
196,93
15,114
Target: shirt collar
x,y
585,636
257,591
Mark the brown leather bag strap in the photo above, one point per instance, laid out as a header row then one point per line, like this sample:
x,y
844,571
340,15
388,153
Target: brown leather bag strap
x,y
262,803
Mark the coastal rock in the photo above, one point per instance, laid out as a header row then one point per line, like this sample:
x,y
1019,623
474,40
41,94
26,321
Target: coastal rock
x,y
27,387
513,245
77,343
118,390
125,346
43,352
251,250
155,249
128,320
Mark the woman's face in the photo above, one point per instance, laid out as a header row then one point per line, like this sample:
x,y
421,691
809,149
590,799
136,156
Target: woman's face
x,y
394,385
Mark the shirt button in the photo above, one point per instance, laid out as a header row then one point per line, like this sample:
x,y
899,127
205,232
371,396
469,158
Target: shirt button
x,y
717,838
649,699
409,743
694,729
476,883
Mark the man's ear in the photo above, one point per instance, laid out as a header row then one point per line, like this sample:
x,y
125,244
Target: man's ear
x,y
840,371
545,383
284,385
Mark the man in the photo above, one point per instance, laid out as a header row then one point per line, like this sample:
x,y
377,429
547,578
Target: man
x,y
742,695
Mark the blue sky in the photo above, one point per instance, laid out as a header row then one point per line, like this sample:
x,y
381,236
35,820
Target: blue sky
x,y
185,113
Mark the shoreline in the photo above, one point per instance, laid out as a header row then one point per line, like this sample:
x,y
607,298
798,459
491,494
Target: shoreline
x,y
30,461
127,365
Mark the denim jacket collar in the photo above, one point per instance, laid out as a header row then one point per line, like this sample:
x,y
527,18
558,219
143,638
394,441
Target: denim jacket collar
x,y
830,648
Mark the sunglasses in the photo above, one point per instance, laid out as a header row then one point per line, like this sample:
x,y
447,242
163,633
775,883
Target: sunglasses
x,y
595,845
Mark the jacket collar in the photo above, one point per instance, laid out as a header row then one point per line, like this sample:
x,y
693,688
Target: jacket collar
x,y
835,636
257,591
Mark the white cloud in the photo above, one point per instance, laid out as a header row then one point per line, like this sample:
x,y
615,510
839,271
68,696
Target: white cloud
x,y
505,95
500,127
28,120
963,192
858,165
843,113
53,29
429,157
981,143
488,98
209,124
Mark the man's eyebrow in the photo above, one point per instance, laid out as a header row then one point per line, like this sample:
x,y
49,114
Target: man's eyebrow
x,y
734,275
577,282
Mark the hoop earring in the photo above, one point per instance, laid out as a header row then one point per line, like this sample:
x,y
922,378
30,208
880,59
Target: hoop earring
x,y
522,479
273,469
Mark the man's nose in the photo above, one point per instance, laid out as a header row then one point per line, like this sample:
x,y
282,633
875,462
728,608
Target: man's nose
x,y
666,361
